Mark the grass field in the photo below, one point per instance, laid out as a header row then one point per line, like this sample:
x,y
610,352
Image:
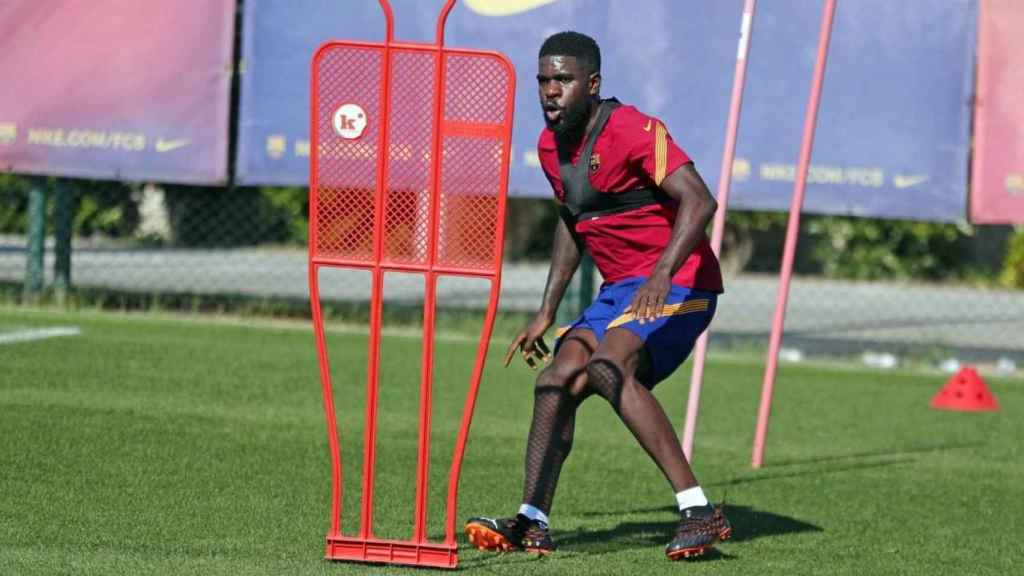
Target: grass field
x,y
169,445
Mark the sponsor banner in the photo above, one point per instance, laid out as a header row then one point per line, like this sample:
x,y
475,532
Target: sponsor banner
x,y
997,191
278,42
116,89
893,128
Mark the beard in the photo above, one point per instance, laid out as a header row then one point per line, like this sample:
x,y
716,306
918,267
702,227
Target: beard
x,y
572,121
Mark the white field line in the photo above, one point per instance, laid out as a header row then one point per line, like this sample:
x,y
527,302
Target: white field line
x,y
38,334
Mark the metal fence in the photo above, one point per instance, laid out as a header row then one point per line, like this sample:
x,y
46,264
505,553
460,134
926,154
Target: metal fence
x,y
885,323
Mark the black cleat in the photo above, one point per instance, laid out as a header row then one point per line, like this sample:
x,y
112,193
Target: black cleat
x,y
537,538
508,534
699,529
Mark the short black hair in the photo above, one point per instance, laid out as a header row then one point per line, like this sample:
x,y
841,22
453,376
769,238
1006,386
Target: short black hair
x,y
580,46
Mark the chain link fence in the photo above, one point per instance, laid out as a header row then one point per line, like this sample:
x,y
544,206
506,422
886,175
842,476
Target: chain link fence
x,y
242,250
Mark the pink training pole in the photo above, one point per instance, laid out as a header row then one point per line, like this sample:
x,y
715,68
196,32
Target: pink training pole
x,y
718,229
792,229
981,83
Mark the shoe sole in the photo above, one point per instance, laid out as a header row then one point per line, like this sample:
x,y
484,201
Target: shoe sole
x,y
684,553
483,538
538,551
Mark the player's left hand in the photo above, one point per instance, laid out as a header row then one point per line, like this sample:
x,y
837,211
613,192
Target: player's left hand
x,y
649,299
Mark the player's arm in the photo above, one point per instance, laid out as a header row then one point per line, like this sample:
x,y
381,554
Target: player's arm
x,y
565,258
696,208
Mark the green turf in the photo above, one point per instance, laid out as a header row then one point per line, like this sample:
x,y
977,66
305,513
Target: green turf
x,y
159,445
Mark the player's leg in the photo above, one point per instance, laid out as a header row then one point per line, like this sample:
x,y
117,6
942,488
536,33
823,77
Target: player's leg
x,y
612,374
559,390
664,344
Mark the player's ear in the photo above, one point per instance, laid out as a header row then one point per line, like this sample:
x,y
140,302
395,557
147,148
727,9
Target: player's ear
x,y
594,83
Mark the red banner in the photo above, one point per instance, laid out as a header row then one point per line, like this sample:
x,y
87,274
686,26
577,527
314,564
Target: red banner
x,y
116,89
997,183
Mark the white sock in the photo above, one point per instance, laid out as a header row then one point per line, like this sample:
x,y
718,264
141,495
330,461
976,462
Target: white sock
x,y
533,513
691,497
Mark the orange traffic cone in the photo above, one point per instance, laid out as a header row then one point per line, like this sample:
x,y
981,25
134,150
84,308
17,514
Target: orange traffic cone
x,y
965,392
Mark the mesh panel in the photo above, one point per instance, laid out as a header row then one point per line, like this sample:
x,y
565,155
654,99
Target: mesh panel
x,y
347,169
407,202
472,164
470,186
476,89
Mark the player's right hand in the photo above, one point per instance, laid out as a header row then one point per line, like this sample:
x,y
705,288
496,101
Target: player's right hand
x,y
530,343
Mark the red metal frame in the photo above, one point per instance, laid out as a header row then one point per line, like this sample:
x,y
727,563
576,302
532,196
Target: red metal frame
x,y
365,546
792,229
718,230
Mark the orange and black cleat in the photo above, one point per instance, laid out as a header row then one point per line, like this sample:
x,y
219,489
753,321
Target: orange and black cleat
x,y
510,534
699,529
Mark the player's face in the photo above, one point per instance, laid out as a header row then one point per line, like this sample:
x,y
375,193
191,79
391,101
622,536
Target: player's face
x,y
565,90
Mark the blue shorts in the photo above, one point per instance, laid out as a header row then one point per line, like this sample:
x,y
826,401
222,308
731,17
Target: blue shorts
x,y
668,340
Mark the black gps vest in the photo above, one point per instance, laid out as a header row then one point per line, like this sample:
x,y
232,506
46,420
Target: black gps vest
x,y
581,200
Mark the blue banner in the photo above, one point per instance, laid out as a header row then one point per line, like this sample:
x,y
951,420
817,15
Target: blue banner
x,y
893,126
117,89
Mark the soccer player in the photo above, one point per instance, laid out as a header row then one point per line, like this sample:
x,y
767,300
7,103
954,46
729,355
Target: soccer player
x,y
630,197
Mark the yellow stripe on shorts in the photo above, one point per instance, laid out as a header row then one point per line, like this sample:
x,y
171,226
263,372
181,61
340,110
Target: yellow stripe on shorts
x,y
687,307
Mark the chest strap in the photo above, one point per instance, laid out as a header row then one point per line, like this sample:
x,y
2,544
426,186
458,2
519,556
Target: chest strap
x,y
582,201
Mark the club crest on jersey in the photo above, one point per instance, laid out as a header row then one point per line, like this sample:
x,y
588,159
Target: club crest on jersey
x,y
595,162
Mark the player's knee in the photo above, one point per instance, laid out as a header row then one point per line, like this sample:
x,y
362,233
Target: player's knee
x,y
552,378
606,379
559,380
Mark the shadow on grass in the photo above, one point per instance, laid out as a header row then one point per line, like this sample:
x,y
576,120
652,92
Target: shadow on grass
x,y
876,454
816,471
831,464
511,562
748,523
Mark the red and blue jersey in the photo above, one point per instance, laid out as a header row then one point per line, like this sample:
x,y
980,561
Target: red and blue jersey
x,y
633,151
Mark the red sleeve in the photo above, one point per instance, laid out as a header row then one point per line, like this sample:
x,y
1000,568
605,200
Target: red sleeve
x,y
652,149
547,153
